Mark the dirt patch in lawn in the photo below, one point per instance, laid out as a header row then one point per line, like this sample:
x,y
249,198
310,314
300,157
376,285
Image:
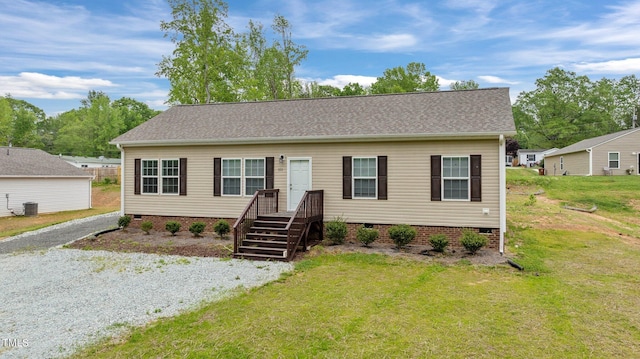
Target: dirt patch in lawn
x,y
135,240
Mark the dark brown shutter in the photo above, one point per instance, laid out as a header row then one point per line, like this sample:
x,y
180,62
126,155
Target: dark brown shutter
x,y
476,182
268,178
137,177
183,176
217,176
382,177
346,177
436,178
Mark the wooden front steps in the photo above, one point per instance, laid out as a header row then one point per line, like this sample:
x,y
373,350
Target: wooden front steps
x,y
266,238
262,232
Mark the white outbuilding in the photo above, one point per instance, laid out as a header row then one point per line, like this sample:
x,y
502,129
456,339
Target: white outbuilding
x,y
33,181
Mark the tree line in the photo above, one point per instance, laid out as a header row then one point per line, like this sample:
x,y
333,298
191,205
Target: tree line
x,y
213,63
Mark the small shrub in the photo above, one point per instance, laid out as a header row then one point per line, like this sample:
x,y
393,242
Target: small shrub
x,y
366,236
197,228
439,242
222,228
402,234
146,226
106,181
472,241
173,227
124,221
531,201
336,230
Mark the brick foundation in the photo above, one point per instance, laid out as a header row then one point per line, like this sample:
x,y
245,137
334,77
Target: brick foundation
x,y
185,222
424,232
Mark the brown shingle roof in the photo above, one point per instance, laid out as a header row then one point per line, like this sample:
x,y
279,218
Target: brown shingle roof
x,y
443,113
31,162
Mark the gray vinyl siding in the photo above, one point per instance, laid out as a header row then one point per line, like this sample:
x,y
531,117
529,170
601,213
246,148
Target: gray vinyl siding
x,y
575,164
408,182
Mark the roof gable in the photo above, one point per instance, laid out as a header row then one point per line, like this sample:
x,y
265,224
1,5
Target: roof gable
x,y
593,142
31,162
442,113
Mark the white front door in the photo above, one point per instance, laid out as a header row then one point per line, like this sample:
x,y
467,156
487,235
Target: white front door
x,y
299,178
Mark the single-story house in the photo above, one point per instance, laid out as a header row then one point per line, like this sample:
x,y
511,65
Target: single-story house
x,y
532,157
92,162
433,160
613,154
43,181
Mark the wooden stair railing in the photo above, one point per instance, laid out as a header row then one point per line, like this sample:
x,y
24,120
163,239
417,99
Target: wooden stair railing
x,y
264,201
309,210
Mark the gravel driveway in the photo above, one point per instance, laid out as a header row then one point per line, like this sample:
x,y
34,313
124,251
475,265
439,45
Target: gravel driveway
x,y
54,300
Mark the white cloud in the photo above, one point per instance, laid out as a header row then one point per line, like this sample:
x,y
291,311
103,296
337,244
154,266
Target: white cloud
x,y
626,66
341,81
496,80
37,85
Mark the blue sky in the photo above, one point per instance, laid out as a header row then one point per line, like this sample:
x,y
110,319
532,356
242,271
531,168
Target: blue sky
x,y
53,52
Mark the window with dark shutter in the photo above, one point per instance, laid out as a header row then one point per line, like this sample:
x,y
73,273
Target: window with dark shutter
x,y
137,179
382,177
476,178
346,177
436,178
217,176
183,177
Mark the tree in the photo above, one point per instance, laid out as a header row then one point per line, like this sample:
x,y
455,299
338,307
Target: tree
x,y
293,54
133,112
314,90
204,65
353,89
464,85
413,78
566,108
18,122
88,130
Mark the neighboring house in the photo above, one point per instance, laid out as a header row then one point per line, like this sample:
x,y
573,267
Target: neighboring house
x,y
92,162
433,160
530,158
613,154
36,177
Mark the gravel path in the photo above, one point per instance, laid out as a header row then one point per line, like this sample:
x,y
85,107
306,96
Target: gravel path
x,y
53,301
59,234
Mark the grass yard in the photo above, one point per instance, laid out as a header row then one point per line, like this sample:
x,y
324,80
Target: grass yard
x,y
104,198
578,296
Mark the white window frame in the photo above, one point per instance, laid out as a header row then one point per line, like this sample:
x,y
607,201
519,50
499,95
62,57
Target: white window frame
x,y
617,160
532,158
162,176
143,176
354,177
245,176
467,178
223,177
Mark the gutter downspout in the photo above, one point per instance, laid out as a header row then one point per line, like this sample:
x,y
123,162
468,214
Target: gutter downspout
x,y
122,176
503,191
590,161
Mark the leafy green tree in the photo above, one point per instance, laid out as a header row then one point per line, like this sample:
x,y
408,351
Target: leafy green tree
x,y
314,90
414,77
133,112
566,108
18,122
464,85
204,66
293,53
353,89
